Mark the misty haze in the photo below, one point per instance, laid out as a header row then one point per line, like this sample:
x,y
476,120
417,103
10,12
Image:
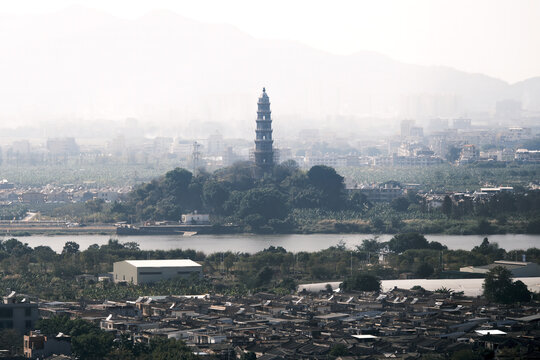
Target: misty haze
x,y
270,180
79,65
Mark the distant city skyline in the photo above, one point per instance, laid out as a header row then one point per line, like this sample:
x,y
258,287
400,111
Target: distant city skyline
x,y
493,37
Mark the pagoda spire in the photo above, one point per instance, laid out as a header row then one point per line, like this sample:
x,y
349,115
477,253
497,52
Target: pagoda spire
x,y
264,152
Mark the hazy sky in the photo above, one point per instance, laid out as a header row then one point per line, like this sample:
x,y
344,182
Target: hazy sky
x,y
500,38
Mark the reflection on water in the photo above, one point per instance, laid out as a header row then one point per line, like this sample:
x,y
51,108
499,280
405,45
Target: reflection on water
x,y
254,243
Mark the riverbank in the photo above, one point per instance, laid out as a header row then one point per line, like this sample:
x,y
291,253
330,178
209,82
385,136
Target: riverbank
x,y
466,227
312,221
327,227
21,231
251,243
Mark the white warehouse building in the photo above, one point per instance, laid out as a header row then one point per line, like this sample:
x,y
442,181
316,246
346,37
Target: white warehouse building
x,y
146,271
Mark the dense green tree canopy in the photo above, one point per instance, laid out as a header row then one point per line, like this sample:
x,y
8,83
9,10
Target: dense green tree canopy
x,y
330,183
499,287
370,245
15,247
11,340
424,270
403,242
234,195
400,204
492,251
215,194
361,282
316,201
267,202
44,253
70,247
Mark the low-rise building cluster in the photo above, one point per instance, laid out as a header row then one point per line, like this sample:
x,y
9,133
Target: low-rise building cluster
x,y
401,324
389,191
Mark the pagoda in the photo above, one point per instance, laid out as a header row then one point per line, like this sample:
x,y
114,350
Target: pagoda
x,y
264,153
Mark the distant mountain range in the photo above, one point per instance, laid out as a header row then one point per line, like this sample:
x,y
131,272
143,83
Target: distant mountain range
x,y
84,64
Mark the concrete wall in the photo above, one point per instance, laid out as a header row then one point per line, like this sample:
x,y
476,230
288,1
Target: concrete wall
x,y
149,274
472,269
196,218
122,271
19,316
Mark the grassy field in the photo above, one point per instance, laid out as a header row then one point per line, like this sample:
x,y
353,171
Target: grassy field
x,y
447,177
101,174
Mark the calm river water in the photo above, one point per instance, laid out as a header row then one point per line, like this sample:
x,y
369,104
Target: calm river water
x,y
254,243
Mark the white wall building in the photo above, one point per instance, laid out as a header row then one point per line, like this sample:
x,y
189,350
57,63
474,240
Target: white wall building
x,y
198,219
107,195
527,155
146,271
518,268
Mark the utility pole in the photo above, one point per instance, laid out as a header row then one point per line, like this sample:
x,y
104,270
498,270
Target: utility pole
x,y
196,156
351,263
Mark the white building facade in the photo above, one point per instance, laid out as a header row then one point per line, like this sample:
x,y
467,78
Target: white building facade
x,y
147,271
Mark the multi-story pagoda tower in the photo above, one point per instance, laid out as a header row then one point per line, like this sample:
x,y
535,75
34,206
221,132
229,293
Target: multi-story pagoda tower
x,y
264,153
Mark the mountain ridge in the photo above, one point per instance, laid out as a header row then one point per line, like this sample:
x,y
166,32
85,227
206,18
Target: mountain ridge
x,y
167,68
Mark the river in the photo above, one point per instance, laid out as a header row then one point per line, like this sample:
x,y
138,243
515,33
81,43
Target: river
x,y
254,243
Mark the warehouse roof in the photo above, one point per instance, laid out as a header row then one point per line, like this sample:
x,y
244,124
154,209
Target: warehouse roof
x,y
365,337
163,263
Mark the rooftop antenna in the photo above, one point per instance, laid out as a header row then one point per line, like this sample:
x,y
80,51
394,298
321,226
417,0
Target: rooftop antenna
x,y
196,156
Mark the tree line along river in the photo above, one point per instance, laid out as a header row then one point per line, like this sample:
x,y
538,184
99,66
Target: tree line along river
x,y
252,243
